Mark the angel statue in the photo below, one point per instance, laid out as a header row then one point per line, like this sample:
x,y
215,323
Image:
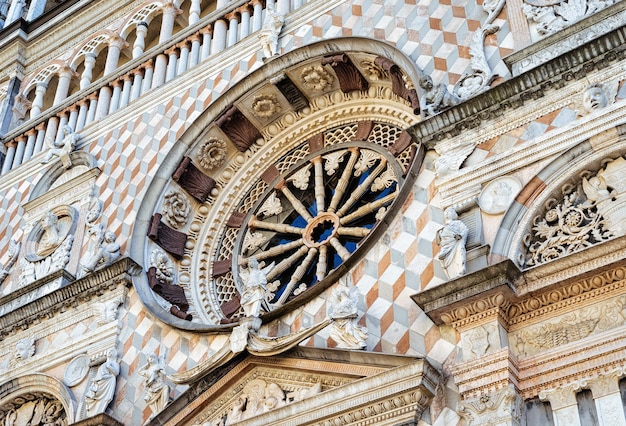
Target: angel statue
x,y
254,280
63,148
344,329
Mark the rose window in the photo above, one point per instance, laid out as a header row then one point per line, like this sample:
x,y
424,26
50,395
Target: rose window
x,y
315,217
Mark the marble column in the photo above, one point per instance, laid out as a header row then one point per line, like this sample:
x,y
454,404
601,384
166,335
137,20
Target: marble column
x,y
115,98
194,12
65,78
87,75
19,151
244,28
220,29
141,30
30,144
233,27
115,47
127,87
194,55
172,61
40,92
167,24
8,160
207,34
183,59
257,15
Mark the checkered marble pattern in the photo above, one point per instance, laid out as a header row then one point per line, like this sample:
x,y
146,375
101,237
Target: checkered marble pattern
x,y
436,35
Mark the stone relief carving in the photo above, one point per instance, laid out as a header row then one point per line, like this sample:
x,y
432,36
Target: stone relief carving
x,y
451,239
592,212
315,77
597,96
212,154
101,390
13,252
497,408
76,370
108,310
549,16
33,409
497,195
480,341
301,178
481,76
570,328
252,241
452,158
176,209
156,392
259,396
105,253
48,245
24,349
345,330
161,275
265,105
62,149
271,207
254,283
436,98
21,106
272,24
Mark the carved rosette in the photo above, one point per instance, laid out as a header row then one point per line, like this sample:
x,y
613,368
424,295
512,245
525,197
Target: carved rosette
x,y
212,154
176,209
316,78
265,105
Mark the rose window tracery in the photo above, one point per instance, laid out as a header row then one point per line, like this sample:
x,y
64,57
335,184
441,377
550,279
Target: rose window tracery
x,y
324,215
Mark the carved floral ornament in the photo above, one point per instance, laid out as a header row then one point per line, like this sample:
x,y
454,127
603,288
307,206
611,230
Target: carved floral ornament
x,y
589,213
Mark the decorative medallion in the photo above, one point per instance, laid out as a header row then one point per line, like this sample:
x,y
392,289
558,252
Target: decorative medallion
x,y
76,370
212,154
498,194
316,78
265,105
176,209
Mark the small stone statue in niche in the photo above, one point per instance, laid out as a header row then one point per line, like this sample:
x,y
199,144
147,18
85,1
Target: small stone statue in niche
x,y
102,388
157,392
452,238
63,148
436,98
272,24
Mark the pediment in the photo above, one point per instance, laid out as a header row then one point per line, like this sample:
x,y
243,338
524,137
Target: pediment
x,y
307,385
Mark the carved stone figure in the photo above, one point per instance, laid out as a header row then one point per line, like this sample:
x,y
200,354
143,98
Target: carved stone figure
x,y
436,98
344,330
107,252
157,392
272,24
102,388
51,236
24,349
63,148
254,287
452,238
498,195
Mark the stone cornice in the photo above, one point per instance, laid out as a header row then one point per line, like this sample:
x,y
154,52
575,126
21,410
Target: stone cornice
x,y
119,273
517,297
574,65
355,366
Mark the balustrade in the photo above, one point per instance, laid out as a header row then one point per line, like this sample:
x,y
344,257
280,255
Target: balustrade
x,y
115,90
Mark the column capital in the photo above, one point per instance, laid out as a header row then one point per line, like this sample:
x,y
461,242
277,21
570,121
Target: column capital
x,y
185,43
127,77
66,71
172,50
10,144
41,85
116,83
243,8
207,30
196,37
117,41
170,8
232,15
31,132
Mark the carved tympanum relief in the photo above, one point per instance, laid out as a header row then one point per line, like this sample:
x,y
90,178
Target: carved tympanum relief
x,y
591,212
33,409
550,16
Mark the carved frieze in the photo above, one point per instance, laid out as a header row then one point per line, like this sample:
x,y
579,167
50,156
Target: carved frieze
x,y
497,408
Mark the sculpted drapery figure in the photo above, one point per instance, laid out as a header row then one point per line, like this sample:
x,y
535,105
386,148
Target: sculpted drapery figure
x,y
51,236
452,238
254,287
102,388
344,330
63,148
272,24
157,392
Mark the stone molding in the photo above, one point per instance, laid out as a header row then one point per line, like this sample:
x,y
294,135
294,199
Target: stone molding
x,y
88,287
503,290
382,389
